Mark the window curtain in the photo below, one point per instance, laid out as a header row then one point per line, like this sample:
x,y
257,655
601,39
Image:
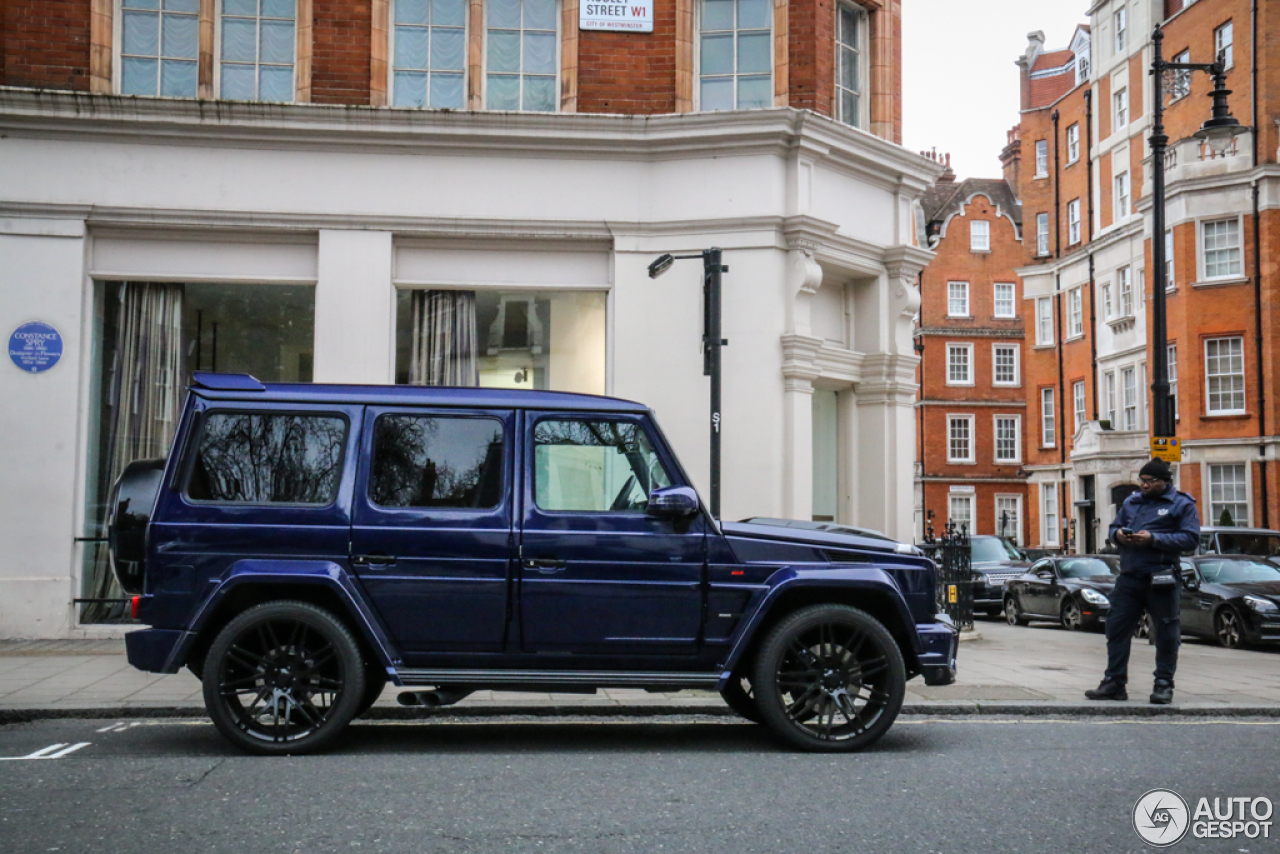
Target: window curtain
x,y
444,339
140,408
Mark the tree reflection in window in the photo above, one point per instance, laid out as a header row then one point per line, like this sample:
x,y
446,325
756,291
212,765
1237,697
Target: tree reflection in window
x,y
426,461
269,459
594,466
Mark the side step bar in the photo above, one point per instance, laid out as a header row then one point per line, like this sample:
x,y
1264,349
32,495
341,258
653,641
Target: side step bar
x,y
535,680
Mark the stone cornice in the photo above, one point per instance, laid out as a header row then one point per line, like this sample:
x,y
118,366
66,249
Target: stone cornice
x,y
778,131
965,332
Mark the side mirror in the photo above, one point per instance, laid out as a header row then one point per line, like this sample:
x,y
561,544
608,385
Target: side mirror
x,y
673,502
1190,580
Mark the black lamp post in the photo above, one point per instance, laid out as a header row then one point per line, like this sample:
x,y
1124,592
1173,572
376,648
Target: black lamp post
x,y
1218,132
711,344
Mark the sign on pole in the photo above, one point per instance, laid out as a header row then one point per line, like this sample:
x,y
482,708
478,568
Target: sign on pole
x,y
632,17
1167,448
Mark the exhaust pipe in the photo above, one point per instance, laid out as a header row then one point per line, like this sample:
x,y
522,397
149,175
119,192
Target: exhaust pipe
x,y
434,698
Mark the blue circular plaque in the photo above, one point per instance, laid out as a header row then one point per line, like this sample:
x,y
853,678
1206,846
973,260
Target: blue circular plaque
x,y
35,347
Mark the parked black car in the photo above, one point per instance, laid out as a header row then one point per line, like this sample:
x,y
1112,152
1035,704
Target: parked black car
x,y
994,562
1260,542
1069,589
1238,602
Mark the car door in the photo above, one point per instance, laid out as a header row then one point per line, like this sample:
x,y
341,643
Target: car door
x,y
598,575
1196,611
1040,593
432,538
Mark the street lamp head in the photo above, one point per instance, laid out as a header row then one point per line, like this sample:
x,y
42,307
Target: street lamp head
x,y
1222,127
660,265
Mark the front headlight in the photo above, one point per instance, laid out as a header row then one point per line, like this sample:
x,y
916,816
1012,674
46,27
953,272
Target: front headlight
x,y
1093,597
1262,606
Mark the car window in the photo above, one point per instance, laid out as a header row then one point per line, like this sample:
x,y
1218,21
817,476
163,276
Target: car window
x,y
1209,569
433,461
1088,567
1263,545
992,549
1240,571
594,466
268,458
1042,566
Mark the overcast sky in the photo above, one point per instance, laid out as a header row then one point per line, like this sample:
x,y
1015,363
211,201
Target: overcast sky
x,y
960,84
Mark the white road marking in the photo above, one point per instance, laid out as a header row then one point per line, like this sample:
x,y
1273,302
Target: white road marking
x,y
120,726
53,751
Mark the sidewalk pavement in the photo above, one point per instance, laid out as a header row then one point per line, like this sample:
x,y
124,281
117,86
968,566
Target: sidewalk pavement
x,y
1033,670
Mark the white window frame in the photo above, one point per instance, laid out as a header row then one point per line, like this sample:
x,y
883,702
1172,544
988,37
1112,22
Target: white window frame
x,y
119,55
998,301
1120,108
1210,375
697,59
484,64
1048,418
1015,526
1215,503
970,500
1042,234
995,366
979,235
1236,269
1171,357
952,297
1123,203
1016,457
1109,398
1044,321
954,347
1121,24
1042,158
1073,222
430,72
1124,291
1106,300
1075,312
1073,143
860,120
1170,279
218,19
970,439
1129,398
1223,38
1049,498
1078,407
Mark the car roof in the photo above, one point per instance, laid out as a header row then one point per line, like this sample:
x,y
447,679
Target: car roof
x,y
1228,529
245,387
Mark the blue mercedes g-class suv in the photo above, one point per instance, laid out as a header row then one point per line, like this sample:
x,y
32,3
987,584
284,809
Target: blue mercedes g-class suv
x,y
304,544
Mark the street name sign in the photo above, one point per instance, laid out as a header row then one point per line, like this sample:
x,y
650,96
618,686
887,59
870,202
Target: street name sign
x,y
632,17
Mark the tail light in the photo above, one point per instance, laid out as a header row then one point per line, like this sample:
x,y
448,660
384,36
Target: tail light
x,y
133,606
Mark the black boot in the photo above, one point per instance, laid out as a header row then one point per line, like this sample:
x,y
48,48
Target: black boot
x,y
1162,693
1109,690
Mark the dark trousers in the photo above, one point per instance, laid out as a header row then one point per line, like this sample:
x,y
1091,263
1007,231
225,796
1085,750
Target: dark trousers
x,y
1132,595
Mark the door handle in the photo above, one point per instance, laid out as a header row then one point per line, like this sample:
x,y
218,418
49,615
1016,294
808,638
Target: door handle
x,y
546,565
373,560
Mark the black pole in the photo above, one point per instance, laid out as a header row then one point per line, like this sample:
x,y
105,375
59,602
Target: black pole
x,y
711,344
1161,405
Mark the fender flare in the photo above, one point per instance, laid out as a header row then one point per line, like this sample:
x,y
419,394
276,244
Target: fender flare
x,y
789,579
323,573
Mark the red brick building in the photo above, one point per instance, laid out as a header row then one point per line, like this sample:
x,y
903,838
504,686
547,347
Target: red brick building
x,y
972,408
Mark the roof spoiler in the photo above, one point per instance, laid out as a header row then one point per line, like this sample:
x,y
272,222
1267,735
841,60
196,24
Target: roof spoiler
x,y
226,382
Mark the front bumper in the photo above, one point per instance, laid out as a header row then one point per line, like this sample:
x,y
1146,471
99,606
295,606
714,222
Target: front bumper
x,y
939,642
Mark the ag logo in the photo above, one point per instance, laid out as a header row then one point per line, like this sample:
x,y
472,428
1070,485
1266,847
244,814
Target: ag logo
x,y
1161,818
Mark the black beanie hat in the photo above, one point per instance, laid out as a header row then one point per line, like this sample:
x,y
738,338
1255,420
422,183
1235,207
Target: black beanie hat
x,y
1158,469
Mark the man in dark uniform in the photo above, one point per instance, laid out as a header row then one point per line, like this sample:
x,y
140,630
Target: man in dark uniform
x,y
1154,526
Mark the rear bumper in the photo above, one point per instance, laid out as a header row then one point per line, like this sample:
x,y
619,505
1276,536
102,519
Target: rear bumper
x,y
154,650
939,643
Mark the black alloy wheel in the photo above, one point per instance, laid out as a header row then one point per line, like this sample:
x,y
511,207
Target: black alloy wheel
x,y
829,678
1072,619
1012,613
283,678
1227,628
739,696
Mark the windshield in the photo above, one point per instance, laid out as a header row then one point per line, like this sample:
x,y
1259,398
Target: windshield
x,y
991,549
1263,545
1235,571
1088,567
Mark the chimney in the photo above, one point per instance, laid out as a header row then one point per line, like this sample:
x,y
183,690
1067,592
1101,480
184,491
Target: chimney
x,y
1011,159
1035,45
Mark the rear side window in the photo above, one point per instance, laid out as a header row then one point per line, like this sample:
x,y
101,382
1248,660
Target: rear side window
x,y
429,461
273,458
594,466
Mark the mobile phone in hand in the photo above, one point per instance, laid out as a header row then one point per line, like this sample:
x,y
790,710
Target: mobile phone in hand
x,y
1128,532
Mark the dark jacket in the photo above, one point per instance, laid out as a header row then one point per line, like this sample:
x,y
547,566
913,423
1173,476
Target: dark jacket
x,y
1172,520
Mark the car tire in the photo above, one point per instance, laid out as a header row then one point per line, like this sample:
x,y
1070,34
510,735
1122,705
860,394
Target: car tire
x,y
1228,628
1072,619
1012,613
829,678
283,678
740,697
